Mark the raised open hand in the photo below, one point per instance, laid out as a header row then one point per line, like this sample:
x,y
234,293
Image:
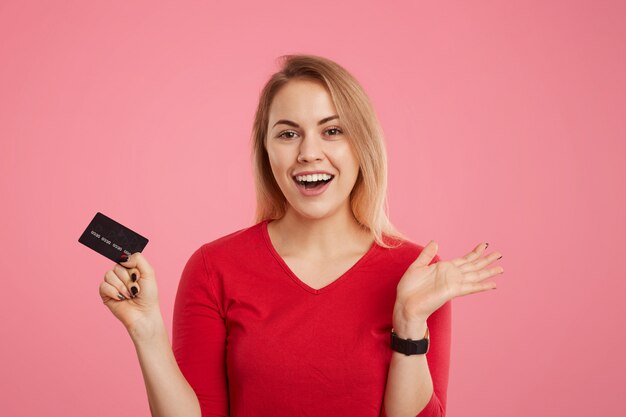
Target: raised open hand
x,y
424,288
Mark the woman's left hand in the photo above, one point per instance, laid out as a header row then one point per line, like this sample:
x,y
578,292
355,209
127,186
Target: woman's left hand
x,y
424,288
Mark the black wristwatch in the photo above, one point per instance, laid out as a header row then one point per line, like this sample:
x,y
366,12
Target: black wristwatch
x,y
410,346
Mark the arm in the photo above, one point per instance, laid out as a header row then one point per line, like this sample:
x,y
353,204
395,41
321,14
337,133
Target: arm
x,y
424,291
417,384
169,393
199,336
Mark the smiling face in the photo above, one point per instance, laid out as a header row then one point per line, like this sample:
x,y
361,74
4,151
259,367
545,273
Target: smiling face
x,y
305,137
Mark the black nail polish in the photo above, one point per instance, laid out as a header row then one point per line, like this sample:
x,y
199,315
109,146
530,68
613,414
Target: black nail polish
x,y
133,276
486,245
133,289
500,257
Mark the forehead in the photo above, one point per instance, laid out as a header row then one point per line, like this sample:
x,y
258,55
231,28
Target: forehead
x,y
301,100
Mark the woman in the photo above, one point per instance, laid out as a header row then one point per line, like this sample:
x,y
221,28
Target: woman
x,y
311,311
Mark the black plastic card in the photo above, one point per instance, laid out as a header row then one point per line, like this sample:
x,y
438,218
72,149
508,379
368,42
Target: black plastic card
x,y
111,239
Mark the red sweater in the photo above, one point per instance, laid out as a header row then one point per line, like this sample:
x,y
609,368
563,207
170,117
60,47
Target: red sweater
x,y
253,340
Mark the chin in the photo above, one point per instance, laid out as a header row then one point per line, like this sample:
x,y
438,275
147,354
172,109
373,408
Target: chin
x,y
313,211
310,214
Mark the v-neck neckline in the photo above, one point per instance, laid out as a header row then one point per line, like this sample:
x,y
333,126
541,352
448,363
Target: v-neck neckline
x,y
296,279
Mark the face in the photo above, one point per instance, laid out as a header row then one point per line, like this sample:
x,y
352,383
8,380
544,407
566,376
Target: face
x,y
305,136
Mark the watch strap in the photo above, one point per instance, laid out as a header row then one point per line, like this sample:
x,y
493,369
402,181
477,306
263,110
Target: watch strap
x,y
410,346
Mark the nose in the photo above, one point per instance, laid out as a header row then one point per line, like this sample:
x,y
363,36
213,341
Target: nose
x,y
310,150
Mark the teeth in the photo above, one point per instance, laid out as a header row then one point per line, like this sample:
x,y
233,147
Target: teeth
x,y
313,178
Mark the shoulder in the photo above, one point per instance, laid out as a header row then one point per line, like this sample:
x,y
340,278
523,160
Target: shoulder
x,y
234,239
239,239
232,247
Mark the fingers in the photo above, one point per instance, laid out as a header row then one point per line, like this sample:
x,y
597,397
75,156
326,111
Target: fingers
x,y
137,260
128,272
111,278
129,277
474,287
480,263
478,276
426,255
109,292
472,256
474,273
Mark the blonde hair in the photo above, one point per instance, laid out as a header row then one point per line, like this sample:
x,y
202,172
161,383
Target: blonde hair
x,y
368,199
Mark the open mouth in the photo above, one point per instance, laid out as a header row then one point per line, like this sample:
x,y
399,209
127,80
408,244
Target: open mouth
x,y
316,182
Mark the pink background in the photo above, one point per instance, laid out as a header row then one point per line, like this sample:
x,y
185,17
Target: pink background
x,y
504,123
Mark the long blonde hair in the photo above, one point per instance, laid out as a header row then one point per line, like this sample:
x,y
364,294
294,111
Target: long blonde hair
x,y
368,199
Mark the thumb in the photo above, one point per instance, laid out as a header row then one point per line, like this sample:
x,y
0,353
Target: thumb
x,y
137,260
426,255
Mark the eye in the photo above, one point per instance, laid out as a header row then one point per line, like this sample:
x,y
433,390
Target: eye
x,y
336,129
281,135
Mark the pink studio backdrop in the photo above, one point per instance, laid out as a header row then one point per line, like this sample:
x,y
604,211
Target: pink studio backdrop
x,y
504,123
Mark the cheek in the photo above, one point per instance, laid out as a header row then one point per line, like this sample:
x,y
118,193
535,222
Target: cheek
x,y
348,161
278,163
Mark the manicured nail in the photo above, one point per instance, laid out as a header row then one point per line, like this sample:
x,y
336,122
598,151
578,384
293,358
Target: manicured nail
x,y
133,276
500,257
123,258
486,245
133,289
120,296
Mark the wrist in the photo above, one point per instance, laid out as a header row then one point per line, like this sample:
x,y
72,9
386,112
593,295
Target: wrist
x,y
401,313
148,330
413,330
409,327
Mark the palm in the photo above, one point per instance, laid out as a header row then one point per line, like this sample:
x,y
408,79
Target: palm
x,y
131,312
425,287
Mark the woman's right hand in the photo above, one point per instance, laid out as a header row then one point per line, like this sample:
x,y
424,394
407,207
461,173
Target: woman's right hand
x,y
138,309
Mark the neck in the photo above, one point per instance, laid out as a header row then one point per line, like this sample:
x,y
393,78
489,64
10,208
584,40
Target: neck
x,y
319,237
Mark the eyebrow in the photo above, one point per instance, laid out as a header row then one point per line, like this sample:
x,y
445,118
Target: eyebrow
x,y
294,124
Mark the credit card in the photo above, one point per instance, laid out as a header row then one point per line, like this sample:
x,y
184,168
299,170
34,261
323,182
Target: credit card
x,y
111,239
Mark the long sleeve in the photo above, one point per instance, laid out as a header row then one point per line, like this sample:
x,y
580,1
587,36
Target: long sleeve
x,y
438,357
199,337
